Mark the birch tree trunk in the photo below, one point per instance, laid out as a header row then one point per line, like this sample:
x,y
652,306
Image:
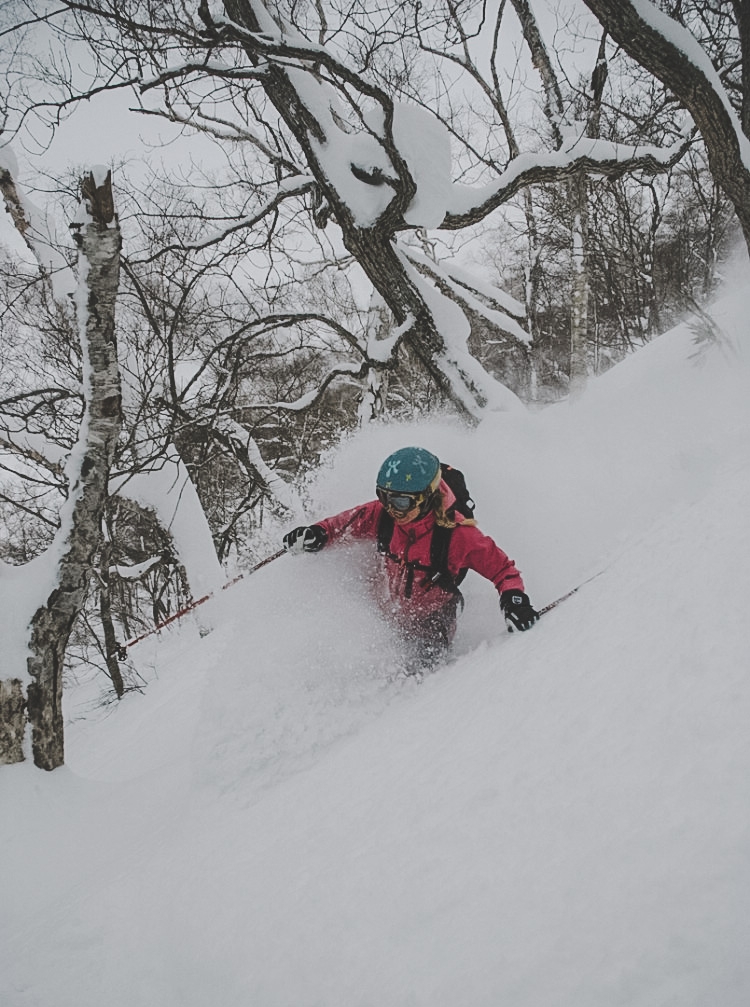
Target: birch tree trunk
x,y
579,196
579,295
108,626
12,720
80,533
375,392
554,109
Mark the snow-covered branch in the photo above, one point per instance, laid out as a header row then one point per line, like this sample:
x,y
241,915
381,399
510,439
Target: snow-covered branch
x,y
469,295
312,397
597,157
383,350
246,450
166,490
138,570
674,55
470,384
33,227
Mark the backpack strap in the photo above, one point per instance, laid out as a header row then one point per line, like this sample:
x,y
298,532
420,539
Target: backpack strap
x,y
386,525
437,573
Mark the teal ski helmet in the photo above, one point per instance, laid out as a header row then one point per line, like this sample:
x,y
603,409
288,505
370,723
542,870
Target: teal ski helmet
x,y
409,470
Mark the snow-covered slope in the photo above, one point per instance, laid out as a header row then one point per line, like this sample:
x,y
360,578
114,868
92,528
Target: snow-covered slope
x,y
555,818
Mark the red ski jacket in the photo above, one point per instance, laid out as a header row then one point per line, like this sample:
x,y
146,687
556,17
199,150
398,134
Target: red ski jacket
x,y
410,590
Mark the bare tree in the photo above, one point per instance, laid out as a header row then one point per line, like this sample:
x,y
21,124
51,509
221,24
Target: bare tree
x,y
673,53
77,540
301,90
459,38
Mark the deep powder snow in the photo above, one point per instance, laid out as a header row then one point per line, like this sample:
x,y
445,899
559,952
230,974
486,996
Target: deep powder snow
x,y
554,818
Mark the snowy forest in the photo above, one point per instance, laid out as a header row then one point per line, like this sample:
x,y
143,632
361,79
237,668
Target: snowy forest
x,y
249,249
327,217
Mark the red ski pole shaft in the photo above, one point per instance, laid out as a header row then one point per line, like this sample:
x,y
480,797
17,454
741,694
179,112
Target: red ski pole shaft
x,y
247,573
122,647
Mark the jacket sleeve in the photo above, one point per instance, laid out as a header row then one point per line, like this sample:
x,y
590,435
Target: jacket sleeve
x,y
473,550
359,522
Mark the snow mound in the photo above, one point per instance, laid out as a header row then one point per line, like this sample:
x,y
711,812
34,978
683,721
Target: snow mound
x,y
557,817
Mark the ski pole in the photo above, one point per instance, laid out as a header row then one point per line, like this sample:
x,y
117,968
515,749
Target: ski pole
x,y
554,604
253,569
564,597
122,648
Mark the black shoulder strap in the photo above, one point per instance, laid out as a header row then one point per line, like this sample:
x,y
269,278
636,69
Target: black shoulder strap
x,y
438,573
385,531
439,546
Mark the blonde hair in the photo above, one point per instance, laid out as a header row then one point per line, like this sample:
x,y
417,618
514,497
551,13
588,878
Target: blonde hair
x,y
441,515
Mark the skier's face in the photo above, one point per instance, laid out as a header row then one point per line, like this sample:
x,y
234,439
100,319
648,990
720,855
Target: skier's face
x,y
403,507
407,517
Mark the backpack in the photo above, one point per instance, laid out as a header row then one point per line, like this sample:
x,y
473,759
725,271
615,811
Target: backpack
x,y
464,504
437,573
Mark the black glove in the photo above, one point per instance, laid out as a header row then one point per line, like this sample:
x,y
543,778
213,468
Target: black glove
x,y
517,610
308,538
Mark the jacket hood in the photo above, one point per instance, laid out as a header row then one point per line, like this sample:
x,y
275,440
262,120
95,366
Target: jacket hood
x,y
449,497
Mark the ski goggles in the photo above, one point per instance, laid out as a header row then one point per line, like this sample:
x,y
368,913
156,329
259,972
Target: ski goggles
x,y
400,502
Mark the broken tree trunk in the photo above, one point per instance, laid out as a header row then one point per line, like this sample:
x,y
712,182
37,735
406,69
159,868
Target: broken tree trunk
x,y
98,238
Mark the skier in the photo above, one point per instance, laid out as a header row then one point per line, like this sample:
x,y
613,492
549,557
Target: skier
x,y
428,546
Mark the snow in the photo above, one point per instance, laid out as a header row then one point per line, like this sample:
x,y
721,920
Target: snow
x,y
41,236
464,288
557,817
136,570
424,143
460,367
381,350
23,589
421,139
465,199
464,278
168,491
343,147
26,589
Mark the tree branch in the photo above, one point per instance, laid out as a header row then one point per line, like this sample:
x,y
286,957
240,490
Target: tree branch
x,y
527,170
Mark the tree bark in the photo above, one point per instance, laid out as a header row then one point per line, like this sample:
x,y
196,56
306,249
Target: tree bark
x,y
372,405
742,16
12,721
579,297
578,191
108,627
80,534
553,101
372,247
695,85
